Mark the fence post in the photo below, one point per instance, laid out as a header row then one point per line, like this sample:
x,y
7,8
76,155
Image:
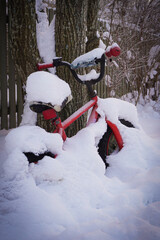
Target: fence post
x,y
3,65
12,81
51,15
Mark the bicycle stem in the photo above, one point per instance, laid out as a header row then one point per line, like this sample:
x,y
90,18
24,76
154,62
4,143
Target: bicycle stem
x,y
92,93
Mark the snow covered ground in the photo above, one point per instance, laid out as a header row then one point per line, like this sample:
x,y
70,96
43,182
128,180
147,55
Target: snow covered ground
x,y
72,197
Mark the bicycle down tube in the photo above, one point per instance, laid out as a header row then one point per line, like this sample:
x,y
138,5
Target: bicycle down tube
x,y
61,126
79,113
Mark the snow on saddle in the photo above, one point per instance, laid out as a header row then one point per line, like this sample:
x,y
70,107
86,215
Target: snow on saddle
x,y
45,90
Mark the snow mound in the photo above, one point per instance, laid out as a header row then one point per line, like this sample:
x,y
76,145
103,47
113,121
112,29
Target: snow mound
x,y
36,140
72,197
115,109
33,139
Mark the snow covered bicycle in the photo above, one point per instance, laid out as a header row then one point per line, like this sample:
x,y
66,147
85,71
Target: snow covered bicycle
x,y
59,94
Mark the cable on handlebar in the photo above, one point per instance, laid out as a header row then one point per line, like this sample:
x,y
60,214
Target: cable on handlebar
x,y
92,81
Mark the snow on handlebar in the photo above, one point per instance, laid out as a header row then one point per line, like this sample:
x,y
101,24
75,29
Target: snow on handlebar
x,y
91,58
86,60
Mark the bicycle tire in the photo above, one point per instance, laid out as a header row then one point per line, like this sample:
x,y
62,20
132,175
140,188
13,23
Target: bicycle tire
x,y
106,141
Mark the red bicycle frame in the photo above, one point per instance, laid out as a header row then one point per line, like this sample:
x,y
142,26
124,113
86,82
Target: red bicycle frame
x,y
61,126
51,113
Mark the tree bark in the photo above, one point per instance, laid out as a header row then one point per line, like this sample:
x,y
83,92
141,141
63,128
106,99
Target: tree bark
x,y
22,39
70,36
92,25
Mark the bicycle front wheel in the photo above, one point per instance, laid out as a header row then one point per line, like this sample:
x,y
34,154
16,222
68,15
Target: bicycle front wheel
x,y
111,142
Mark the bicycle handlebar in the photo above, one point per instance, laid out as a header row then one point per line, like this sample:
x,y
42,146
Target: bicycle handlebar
x,y
58,62
41,66
112,51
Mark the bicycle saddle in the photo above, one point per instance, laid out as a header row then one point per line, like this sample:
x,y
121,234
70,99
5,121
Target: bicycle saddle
x,y
39,107
45,90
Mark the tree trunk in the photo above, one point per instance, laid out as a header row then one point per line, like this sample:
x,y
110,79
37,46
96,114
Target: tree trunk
x,y
92,25
23,44
70,35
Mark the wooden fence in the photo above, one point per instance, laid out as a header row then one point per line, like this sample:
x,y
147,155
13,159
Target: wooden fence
x,y
11,99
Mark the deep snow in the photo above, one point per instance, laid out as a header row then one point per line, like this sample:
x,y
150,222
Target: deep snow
x,y
71,197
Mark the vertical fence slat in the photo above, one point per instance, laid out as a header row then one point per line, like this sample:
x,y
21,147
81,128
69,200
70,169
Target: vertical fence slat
x,y
12,103
11,73
19,101
3,64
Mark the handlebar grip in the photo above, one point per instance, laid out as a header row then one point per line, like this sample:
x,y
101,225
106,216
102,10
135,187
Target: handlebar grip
x,y
114,51
41,66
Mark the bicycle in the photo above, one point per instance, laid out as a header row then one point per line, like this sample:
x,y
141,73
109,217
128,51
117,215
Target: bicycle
x,y
50,111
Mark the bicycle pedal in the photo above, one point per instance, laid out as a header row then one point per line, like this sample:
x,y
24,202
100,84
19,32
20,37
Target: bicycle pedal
x,y
34,158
